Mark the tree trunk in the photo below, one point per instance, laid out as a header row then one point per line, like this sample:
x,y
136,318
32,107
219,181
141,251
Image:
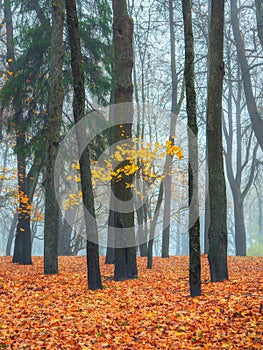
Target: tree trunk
x,y
260,215
110,258
235,180
125,257
169,159
22,250
11,235
207,204
56,96
92,249
240,230
217,233
153,227
110,252
64,238
194,230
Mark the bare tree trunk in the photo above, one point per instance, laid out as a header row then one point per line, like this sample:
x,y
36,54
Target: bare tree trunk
x,y
194,231
11,235
125,258
94,277
207,204
169,159
217,233
240,230
22,250
56,97
153,227
235,180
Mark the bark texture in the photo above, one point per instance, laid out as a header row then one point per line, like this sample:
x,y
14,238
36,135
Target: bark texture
x,y
217,232
125,257
56,97
22,249
194,231
94,277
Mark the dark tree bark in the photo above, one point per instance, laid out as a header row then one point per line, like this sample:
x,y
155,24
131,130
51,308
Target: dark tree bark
x,y
56,97
64,238
110,253
110,256
22,250
94,277
207,204
217,232
169,159
125,257
153,227
194,231
11,235
257,122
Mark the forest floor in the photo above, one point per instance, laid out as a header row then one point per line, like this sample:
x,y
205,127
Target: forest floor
x,y
151,312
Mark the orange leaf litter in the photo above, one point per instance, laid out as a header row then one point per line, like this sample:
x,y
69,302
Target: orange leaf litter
x,y
151,312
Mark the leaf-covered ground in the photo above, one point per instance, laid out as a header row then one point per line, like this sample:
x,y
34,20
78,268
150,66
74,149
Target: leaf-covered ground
x,y
151,312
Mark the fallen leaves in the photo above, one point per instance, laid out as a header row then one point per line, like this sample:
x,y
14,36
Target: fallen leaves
x,y
151,312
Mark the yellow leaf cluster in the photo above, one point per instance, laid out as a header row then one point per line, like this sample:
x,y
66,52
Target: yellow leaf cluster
x,y
174,150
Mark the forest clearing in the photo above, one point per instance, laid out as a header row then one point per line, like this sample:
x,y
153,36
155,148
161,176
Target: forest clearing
x,y
131,172
151,312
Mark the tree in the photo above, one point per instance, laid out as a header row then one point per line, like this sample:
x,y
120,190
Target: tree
x,y
169,159
153,227
194,231
217,232
125,257
22,251
240,153
94,278
257,122
56,97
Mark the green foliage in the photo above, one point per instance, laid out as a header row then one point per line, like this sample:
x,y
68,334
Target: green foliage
x,y
96,37
28,82
255,250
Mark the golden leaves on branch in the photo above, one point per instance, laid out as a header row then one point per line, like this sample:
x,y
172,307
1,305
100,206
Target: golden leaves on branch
x,y
141,158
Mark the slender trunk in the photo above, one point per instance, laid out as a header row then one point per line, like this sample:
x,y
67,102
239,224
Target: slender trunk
x,y
141,232
194,231
260,216
240,230
5,156
11,235
217,233
92,249
22,250
64,239
207,204
140,219
235,180
169,159
153,227
56,97
110,256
